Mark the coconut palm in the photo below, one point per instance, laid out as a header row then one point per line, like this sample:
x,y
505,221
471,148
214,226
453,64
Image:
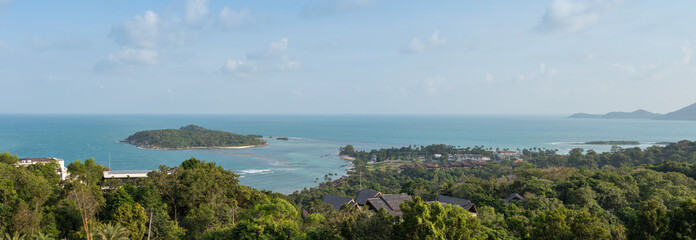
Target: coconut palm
x,y
41,236
111,232
16,236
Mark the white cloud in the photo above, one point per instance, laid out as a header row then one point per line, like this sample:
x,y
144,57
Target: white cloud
x,y
544,73
231,19
431,85
623,67
489,77
418,45
542,68
574,15
280,45
196,10
141,38
134,56
239,67
275,58
140,31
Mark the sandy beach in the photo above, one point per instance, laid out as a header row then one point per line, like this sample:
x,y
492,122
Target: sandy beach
x,y
235,147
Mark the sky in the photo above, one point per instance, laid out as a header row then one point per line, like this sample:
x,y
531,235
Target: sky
x,y
346,56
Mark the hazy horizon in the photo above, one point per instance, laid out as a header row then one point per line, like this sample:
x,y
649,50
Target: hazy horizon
x,y
356,57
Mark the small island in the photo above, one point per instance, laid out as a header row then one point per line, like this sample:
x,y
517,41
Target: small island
x,y
612,143
192,136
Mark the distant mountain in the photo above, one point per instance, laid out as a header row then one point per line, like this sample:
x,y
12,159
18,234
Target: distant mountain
x,y
638,114
686,113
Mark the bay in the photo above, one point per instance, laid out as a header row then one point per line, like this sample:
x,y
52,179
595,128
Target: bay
x,y
310,153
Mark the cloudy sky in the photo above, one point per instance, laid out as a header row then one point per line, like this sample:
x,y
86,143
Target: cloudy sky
x,y
346,56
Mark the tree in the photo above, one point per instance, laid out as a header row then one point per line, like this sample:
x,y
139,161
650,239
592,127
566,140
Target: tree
x,y
563,223
85,191
8,158
650,222
86,206
681,223
272,218
111,232
133,218
119,198
423,221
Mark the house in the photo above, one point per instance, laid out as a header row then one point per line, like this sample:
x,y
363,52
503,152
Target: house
x,y
464,203
476,157
337,201
364,194
125,174
62,170
507,154
514,197
390,203
431,165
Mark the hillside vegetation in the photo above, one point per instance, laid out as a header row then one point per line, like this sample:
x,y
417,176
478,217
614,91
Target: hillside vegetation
x,y
191,136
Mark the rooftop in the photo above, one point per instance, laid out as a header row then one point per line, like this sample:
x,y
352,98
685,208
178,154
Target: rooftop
x,y
363,195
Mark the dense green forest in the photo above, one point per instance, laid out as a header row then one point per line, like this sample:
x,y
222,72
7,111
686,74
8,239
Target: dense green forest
x,y
622,194
191,136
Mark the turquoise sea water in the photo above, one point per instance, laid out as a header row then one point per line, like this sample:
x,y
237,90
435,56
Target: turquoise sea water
x,y
285,166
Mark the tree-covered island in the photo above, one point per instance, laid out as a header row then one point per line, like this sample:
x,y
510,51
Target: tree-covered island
x,y
192,136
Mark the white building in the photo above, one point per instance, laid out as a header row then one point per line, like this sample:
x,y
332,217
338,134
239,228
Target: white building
x,y
62,171
507,154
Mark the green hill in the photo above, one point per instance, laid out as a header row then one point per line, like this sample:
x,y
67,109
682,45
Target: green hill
x,y
638,114
191,136
686,113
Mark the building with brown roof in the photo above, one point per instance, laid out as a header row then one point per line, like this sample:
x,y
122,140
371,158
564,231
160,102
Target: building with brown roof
x,y
363,195
390,203
337,201
464,203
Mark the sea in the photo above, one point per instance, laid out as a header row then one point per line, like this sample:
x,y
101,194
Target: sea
x,y
310,153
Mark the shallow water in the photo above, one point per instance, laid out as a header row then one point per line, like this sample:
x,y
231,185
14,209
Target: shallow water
x,y
310,153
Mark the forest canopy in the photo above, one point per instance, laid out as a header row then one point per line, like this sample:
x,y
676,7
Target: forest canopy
x,y
191,136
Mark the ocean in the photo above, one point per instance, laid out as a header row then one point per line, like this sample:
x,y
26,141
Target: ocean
x,y
312,148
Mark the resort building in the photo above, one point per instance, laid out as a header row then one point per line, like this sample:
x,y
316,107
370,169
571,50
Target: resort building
x,y
507,154
464,203
62,170
514,197
337,201
363,195
389,202
476,157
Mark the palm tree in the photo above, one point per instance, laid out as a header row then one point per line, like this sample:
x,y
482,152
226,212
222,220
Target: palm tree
x,y
16,236
41,236
111,232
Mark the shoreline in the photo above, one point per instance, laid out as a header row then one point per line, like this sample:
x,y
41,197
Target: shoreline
x,y
231,147
346,157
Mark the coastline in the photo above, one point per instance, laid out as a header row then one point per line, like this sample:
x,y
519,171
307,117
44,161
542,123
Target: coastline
x,y
164,148
346,157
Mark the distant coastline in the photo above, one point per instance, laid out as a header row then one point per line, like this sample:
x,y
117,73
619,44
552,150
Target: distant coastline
x,y
687,113
233,147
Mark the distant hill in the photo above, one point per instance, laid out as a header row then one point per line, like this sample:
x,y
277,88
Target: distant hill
x,y
191,136
638,114
686,113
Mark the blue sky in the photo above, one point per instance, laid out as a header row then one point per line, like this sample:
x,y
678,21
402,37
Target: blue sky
x,y
346,56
